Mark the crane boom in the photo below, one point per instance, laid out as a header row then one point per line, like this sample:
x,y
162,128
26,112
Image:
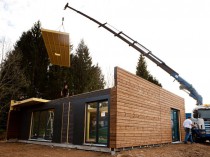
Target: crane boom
x,y
184,85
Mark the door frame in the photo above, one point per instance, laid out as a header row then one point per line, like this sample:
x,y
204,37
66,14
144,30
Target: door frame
x,y
178,124
38,129
97,121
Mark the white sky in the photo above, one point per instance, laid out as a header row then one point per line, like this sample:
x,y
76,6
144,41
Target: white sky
x,y
178,32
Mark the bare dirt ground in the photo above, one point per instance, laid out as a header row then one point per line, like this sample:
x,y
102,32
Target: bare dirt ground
x,y
9,149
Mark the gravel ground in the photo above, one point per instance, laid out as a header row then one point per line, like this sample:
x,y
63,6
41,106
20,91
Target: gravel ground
x,y
13,149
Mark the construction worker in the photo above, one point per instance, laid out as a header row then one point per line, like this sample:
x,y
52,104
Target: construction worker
x,y
65,91
187,127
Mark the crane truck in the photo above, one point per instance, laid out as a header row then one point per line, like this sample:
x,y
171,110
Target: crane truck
x,y
201,113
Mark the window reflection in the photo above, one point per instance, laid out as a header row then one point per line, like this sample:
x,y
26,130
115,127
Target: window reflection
x,y
103,122
97,122
42,125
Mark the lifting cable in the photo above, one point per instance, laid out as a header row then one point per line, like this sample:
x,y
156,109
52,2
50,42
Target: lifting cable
x,y
61,26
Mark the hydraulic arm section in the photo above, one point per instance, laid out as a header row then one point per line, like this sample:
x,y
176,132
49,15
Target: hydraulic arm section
x,y
184,85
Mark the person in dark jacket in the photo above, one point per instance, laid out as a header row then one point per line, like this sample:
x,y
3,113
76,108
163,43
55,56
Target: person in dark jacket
x,y
65,91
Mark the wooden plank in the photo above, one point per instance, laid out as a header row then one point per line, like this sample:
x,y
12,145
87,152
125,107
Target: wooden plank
x,y
29,102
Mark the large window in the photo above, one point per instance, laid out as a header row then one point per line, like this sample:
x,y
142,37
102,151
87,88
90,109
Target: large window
x,y
42,125
97,122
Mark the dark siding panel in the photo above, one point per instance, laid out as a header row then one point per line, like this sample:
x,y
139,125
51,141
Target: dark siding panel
x,y
25,124
57,124
65,123
13,125
79,113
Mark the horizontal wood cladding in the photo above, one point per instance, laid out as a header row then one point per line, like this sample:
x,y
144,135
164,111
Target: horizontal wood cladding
x,y
113,118
140,112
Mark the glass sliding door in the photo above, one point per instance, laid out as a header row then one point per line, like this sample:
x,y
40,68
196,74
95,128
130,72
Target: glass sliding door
x,y
35,125
97,122
103,122
42,125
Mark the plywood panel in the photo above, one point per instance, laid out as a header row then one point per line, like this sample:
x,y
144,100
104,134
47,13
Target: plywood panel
x,y
57,45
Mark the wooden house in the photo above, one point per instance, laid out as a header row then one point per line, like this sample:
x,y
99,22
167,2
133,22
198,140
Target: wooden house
x,y
133,113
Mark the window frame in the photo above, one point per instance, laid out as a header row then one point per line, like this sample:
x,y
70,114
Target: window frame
x,y
45,128
97,123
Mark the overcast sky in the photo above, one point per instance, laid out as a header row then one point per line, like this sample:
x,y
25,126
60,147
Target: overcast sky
x,y
178,32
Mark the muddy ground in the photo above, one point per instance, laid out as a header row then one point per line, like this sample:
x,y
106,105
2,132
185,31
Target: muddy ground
x,y
13,149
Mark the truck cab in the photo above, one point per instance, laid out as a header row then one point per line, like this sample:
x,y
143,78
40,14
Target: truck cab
x,y
201,120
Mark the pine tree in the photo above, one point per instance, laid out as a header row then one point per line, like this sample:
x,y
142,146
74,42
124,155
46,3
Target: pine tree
x,y
35,59
141,70
86,77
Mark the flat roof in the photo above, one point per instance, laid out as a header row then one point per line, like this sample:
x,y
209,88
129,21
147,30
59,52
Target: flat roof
x,y
29,102
57,45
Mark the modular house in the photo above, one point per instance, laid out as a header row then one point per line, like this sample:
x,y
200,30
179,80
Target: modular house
x,y
134,112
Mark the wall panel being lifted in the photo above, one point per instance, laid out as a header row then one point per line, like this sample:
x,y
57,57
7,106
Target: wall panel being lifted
x,y
57,45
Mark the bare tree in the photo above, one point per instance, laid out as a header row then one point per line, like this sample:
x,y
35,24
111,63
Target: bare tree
x,y
5,46
109,78
12,81
12,78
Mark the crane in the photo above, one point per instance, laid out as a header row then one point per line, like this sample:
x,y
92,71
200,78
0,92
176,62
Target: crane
x,y
184,85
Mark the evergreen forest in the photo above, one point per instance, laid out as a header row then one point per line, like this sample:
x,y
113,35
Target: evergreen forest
x,y
26,72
